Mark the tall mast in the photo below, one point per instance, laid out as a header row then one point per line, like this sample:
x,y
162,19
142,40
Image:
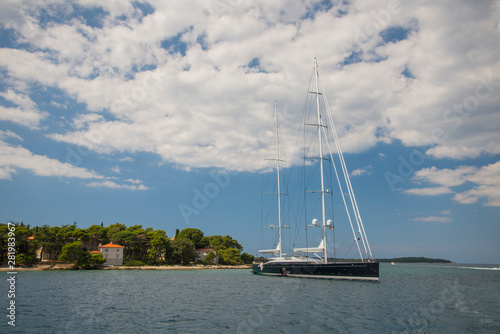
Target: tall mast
x,y
278,178
323,218
279,248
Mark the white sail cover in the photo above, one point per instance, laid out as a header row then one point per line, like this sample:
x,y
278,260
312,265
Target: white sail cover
x,y
318,249
271,251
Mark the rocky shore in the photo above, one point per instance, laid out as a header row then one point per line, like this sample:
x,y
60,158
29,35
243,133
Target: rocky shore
x,y
41,267
195,267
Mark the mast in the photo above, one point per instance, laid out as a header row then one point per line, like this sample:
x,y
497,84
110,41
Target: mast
x,y
279,249
278,178
323,218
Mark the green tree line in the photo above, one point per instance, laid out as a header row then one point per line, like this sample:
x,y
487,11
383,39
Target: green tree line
x,y
414,259
142,245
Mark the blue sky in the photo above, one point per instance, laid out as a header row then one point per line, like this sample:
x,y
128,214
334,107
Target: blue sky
x,y
128,111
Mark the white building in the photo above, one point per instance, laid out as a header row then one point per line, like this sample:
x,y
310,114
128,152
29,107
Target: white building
x,y
203,252
113,254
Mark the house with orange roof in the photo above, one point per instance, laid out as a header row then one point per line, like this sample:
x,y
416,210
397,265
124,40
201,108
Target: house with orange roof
x,y
113,254
40,254
203,252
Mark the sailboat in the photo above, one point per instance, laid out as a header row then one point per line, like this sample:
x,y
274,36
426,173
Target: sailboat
x,y
299,263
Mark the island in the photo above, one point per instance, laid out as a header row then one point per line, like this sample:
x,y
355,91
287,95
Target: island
x,y
99,247
412,259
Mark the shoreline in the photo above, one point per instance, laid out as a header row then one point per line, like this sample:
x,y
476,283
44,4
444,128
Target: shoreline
x,y
71,267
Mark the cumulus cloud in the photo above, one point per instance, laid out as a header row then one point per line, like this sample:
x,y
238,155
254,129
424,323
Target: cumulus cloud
x,y
14,158
485,183
18,157
446,177
435,219
134,181
361,171
114,185
9,134
25,113
193,82
115,169
430,191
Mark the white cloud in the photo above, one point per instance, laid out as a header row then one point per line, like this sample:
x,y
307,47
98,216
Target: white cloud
x,y
21,100
433,219
485,183
361,171
448,101
81,121
445,177
115,169
26,114
15,157
113,185
6,173
430,191
134,181
28,66
27,118
8,133
205,109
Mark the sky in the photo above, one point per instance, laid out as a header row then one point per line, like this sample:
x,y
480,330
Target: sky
x,y
158,112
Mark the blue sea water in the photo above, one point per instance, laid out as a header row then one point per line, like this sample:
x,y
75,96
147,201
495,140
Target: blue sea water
x,y
409,298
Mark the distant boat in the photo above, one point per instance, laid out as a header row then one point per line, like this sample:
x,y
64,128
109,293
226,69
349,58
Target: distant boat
x,y
393,263
300,264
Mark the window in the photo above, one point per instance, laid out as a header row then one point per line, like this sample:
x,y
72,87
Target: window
x,y
106,250
117,250
116,255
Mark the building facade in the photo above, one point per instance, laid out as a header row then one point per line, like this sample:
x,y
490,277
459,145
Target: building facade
x,y
203,252
113,254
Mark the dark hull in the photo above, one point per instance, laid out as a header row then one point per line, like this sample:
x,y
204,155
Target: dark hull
x,y
348,270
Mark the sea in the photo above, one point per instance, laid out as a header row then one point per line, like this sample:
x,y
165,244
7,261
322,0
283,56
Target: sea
x,y
408,298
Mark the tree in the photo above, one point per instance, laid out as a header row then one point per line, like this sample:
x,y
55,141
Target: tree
x,y
24,259
71,244
72,252
134,240
4,237
247,258
94,235
219,242
209,259
68,233
182,251
22,246
52,239
47,240
88,260
230,256
193,234
113,228
159,247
